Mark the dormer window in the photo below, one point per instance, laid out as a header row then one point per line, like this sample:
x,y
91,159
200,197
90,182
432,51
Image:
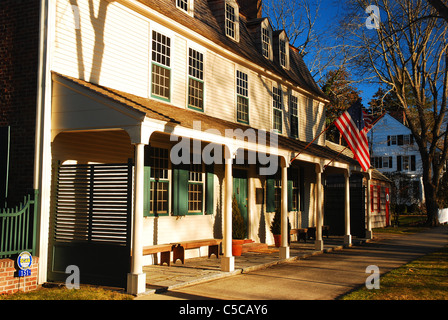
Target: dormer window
x,y
185,5
282,49
266,42
232,20
283,53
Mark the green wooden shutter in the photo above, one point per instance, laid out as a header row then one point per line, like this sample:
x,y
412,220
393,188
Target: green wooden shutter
x,y
290,195
302,189
209,189
147,191
292,175
270,195
180,189
147,182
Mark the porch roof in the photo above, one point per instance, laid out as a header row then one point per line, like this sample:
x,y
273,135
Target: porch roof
x,y
162,111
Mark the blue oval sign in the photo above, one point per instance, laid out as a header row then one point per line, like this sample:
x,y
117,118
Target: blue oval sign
x,y
24,260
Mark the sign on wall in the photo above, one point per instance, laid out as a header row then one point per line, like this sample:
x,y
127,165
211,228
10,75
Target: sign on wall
x,y
24,262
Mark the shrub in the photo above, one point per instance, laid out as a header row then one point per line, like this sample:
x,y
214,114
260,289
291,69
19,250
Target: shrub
x,y
238,231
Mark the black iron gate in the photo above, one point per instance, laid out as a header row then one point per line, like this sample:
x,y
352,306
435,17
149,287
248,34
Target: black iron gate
x,y
334,196
91,222
334,205
357,206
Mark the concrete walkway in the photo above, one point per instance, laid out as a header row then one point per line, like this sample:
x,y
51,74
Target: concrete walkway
x,y
196,270
400,248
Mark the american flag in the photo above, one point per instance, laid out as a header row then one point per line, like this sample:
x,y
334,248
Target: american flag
x,y
368,120
352,127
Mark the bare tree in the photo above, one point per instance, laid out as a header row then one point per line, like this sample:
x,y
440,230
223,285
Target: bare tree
x,y
408,47
441,7
321,49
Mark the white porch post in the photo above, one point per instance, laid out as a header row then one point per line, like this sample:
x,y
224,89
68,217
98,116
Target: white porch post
x,y
369,234
284,248
347,236
137,279
319,244
228,260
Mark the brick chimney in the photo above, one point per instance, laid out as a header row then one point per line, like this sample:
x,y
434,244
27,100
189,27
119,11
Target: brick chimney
x,y
251,8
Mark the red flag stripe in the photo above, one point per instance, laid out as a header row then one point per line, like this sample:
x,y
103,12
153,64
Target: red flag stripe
x,y
355,135
368,119
356,140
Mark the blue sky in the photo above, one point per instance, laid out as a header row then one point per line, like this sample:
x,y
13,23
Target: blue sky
x,y
329,13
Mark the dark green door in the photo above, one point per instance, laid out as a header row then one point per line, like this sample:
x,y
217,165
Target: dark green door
x,y
91,223
240,192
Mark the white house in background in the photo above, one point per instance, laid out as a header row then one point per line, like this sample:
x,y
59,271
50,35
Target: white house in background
x,y
393,150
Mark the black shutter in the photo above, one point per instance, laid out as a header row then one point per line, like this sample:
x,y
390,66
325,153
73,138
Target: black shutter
x,y
398,163
400,140
413,163
388,140
270,195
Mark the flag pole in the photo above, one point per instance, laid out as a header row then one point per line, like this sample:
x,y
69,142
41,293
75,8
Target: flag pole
x,y
335,157
310,143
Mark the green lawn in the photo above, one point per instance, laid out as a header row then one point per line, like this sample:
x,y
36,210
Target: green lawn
x,y
407,224
62,293
422,279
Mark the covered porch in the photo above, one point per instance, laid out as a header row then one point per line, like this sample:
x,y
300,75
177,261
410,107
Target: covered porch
x,y
93,124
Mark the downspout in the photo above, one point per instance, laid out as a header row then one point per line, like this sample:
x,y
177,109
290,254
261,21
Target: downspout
x,y
42,177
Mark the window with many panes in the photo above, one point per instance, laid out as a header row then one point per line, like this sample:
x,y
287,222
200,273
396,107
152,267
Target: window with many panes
x,y
400,140
294,116
381,162
231,21
283,57
277,108
161,61
195,79
183,4
159,181
242,91
186,6
295,194
266,42
278,192
195,189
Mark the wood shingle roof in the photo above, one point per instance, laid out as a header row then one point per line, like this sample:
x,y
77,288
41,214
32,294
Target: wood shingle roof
x,y
205,23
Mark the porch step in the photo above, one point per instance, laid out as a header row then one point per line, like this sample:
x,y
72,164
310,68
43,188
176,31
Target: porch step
x,y
254,247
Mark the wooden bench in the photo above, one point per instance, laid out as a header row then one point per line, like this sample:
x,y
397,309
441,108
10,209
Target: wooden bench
x,y
301,233
164,249
312,232
180,247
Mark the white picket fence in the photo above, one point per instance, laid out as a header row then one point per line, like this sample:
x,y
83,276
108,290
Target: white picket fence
x,y
443,215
